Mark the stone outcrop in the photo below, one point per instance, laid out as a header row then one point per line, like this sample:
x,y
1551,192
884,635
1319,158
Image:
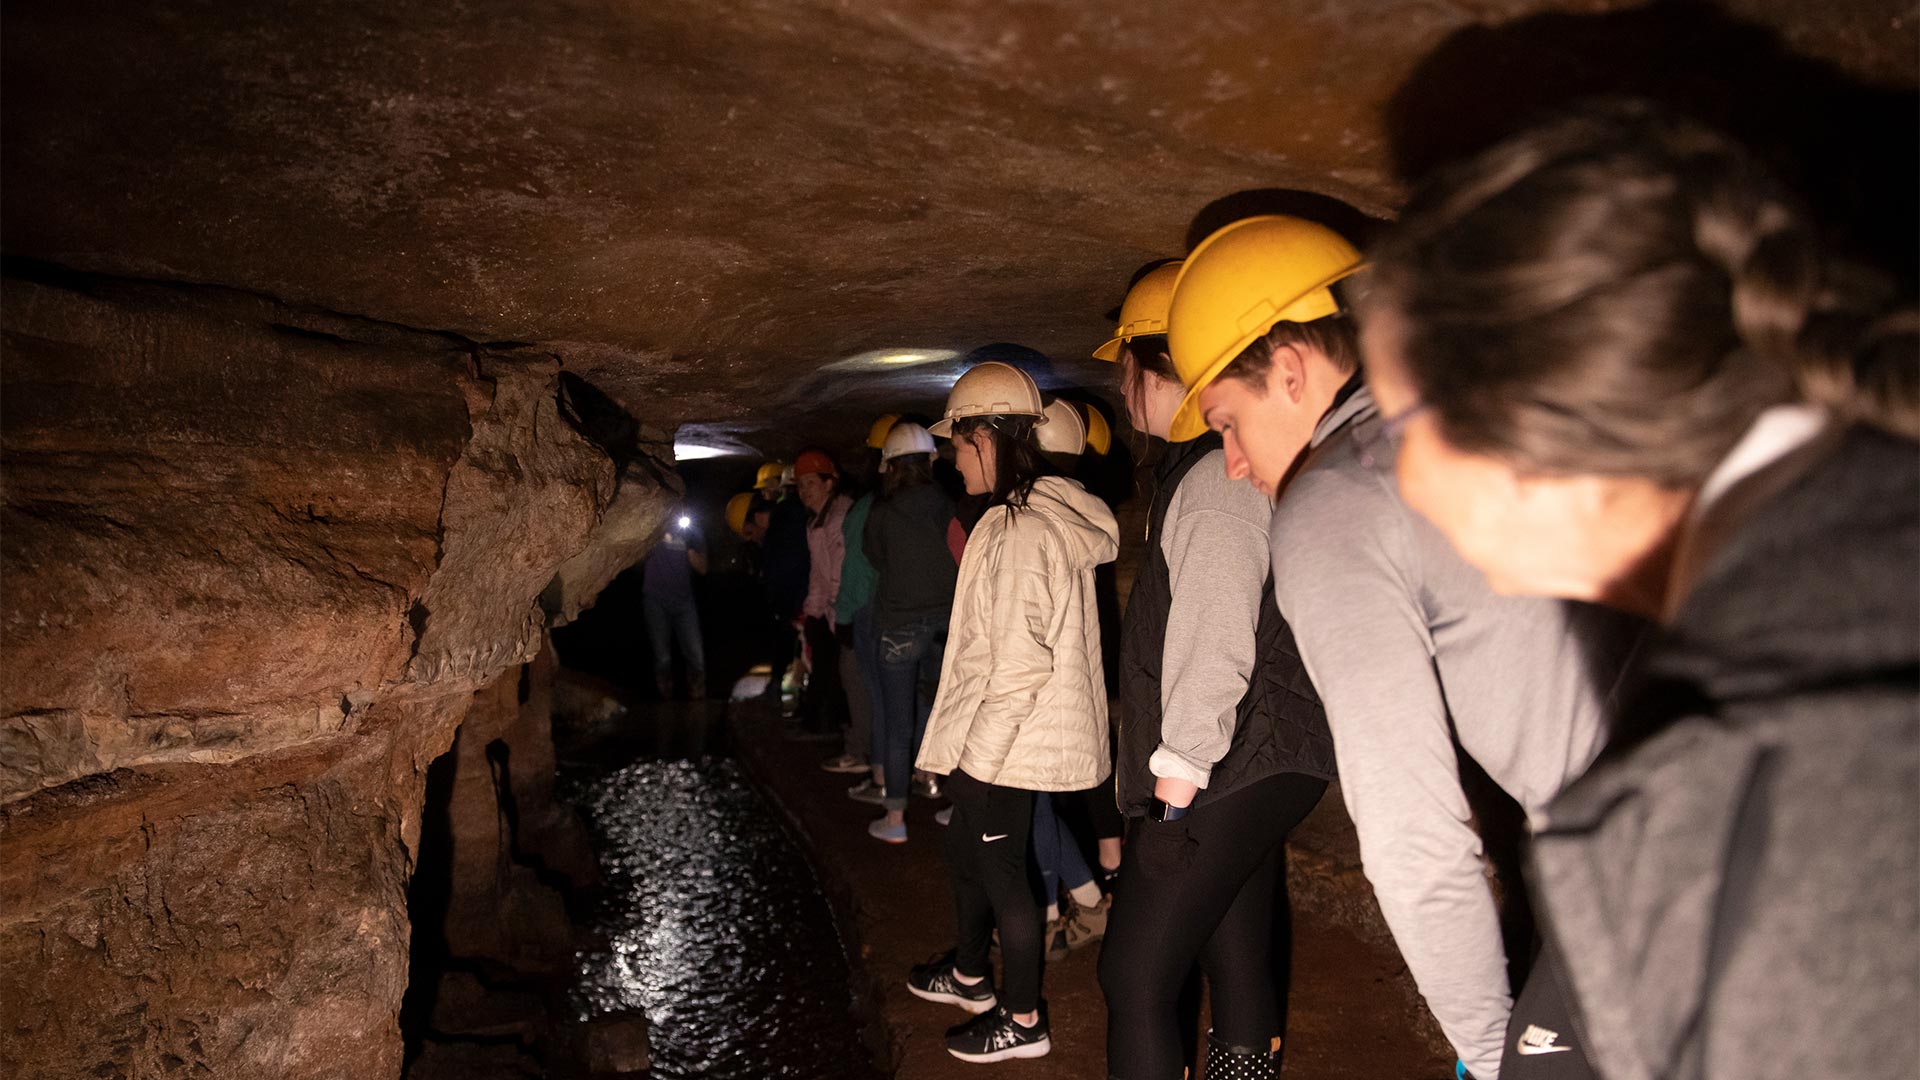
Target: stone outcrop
x,y
260,563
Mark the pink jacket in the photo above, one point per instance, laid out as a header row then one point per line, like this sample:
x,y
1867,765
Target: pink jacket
x,y
826,547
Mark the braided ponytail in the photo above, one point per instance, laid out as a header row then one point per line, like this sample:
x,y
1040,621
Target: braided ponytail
x,y
1623,292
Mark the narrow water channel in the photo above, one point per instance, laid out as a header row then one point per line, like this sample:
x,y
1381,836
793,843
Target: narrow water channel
x,y
711,921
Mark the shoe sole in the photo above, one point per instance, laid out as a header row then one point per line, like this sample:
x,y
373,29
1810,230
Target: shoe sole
x,y
889,839
1028,1050
846,770
976,1007
870,800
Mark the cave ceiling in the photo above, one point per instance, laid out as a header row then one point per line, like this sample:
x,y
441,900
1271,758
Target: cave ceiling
x,y
774,219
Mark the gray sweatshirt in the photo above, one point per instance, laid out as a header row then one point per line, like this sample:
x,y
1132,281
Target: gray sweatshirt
x,y
1405,641
1215,542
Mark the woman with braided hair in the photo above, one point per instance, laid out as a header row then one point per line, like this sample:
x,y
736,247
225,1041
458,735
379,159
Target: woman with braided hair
x,y
1618,370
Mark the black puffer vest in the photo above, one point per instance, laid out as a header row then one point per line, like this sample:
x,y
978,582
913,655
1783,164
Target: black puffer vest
x,y
1281,726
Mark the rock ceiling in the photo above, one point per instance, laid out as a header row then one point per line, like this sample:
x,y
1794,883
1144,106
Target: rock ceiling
x,y
723,210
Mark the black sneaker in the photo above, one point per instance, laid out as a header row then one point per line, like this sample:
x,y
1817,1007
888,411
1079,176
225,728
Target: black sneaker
x,y
934,981
997,1036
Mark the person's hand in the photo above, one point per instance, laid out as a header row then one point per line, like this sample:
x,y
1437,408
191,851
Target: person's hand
x,y
1174,791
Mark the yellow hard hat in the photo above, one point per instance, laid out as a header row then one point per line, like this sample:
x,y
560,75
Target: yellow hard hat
x,y
990,388
769,476
1099,435
1239,282
737,508
877,434
1065,431
1144,311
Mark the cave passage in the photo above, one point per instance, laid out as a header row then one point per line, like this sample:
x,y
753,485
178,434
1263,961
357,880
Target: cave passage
x,y
357,359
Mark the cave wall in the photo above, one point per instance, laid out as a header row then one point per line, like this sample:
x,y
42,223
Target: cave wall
x,y
256,563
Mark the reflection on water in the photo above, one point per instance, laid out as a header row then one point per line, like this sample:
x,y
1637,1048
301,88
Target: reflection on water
x,y
714,927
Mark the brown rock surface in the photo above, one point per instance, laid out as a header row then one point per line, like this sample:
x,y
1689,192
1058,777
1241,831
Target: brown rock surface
x,y
263,541
694,202
258,562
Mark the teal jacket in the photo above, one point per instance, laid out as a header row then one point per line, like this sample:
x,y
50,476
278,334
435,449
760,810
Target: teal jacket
x,y
857,576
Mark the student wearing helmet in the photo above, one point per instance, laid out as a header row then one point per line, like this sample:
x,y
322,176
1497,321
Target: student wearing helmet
x,y
1223,746
1720,438
906,540
1056,847
1021,707
785,563
824,710
859,644
672,615
1407,645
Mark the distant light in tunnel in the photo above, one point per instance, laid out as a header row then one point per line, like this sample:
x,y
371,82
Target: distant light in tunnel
x,y
890,358
686,522
694,451
904,358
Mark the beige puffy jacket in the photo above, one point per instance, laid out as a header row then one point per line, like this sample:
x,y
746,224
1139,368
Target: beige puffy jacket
x,y
1022,700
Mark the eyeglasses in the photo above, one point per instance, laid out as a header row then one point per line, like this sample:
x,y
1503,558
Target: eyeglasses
x,y
1380,447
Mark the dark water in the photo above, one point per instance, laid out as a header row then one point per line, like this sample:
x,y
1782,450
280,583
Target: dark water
x,y
713,926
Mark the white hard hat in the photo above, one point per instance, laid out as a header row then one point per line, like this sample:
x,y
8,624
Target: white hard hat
x,y
903,439
1065,431
990,389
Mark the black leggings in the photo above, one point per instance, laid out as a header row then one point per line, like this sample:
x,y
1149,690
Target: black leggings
x,y
1207,889
995,881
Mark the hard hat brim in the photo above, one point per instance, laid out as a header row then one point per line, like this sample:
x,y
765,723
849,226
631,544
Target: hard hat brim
x,y
941,429
1110,352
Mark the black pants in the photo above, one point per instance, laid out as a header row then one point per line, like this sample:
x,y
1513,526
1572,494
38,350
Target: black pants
x,y
1097,809
994,883
1541,1044
1207,889
825,706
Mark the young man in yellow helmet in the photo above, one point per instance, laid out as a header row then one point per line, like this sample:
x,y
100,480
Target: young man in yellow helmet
x,y
1223,747
1406,644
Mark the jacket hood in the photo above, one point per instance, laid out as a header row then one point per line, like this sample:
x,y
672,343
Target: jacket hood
x,y
1086,524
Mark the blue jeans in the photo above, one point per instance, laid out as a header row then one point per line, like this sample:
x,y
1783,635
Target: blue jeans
x,y
671,622
909,675
1057,852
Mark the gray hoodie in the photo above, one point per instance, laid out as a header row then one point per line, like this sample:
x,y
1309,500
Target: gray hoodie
x,y
1410,650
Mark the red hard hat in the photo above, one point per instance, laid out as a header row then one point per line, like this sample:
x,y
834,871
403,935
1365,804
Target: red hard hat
x,y
814,461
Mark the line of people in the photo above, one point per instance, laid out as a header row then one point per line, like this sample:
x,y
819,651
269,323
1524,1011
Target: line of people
x,y
1597,471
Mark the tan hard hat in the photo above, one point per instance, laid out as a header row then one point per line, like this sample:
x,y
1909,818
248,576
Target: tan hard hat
x,y
1144,311
990,389
1065,431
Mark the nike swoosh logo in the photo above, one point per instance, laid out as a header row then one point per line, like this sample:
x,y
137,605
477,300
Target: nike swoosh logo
x,y
1529,1051
985,839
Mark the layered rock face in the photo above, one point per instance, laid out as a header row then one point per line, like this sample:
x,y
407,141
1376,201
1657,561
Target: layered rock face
x,y
259,565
